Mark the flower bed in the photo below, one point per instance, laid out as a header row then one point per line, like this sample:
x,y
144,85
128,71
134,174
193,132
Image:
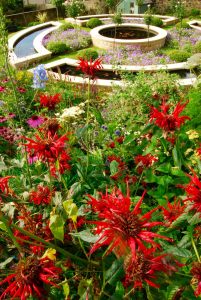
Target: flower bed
x,y
74,38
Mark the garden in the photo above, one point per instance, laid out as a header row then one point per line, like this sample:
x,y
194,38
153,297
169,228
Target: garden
x,y
100,187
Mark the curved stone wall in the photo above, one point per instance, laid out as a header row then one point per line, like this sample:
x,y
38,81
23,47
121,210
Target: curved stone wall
x,y
146,44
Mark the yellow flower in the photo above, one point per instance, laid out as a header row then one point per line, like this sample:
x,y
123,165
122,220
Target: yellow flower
x,y
192,134
189,150
50,253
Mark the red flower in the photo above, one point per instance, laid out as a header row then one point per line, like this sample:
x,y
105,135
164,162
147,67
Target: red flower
x,y
168,122
29,279
172,211
199,151
196,272
143,268
193,190
4,188
144,161
43,195
50,149
89,68
120,227
50,101
120,139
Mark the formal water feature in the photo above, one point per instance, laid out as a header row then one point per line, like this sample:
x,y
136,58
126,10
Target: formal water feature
x,y
126,34
24,47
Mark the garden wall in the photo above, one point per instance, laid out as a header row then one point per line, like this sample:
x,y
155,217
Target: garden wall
x,y
163,5
26,17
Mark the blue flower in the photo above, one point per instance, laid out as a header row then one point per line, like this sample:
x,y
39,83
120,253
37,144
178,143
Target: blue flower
x,y
39,77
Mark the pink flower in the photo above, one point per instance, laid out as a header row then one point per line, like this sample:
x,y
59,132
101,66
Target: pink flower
x,y
35,121
21,90
2,89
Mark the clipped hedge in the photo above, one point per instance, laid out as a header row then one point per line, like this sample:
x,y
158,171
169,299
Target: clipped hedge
x,y
179,55
57,47
94,22
88,54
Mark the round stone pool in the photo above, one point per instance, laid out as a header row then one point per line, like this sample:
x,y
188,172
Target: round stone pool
x,y
136,35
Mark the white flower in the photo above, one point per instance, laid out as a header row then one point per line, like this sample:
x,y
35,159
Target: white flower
x,y
70,113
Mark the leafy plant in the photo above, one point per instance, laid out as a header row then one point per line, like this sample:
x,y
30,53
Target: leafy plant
x,y
93,22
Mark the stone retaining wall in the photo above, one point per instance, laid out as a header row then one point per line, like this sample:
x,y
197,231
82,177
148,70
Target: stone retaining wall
x,y
163,5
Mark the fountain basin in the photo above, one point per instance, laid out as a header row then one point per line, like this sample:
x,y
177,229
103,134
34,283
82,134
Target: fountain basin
x,y
102,36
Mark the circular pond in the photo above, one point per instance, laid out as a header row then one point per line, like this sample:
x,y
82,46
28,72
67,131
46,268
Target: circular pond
x,y
136,35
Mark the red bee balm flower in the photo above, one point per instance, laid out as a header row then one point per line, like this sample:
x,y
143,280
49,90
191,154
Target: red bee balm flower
x,y
120,227
50,101
41,196
193,191
196,272
168,122
89,68
4,188
172,211
144,161
29,279
144,267
50,149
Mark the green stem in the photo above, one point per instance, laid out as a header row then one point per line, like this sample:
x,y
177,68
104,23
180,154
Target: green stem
x,y
9,231
28,169
195,249
50,245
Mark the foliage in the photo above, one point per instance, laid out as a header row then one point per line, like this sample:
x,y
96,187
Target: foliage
x,y
57,3
179,55
117,18
88,54
66,26
93,22
57,47
191,109
195,12
197,47
33,23
41,17
75,8
155,21
182,25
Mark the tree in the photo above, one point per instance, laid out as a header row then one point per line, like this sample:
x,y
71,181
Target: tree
x,y
75,8
111,4
58,4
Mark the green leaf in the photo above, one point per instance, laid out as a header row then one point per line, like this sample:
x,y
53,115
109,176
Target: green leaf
x,y
57,226
119,291
179,251
66,289
84,284
6,262
98,115
172,290
115,272
2,226
194,219
71,209
86,236
182,218
176,157
114,167
164,168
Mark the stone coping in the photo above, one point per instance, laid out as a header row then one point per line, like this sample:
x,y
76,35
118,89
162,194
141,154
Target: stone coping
x,y
104,82
104,42
192,24
43,53
81,20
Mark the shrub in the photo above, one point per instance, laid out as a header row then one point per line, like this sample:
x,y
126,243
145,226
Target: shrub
x,y
191,110
88,54
42,17
75,8
155,21
94,22
66,26
179,55
197,47
183,25
33,23
57,47
195,12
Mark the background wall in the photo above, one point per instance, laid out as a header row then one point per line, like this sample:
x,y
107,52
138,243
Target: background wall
x,y
162,5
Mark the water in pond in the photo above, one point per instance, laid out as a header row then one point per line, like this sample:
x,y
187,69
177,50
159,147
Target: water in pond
x,y
110,75
24,47
126,33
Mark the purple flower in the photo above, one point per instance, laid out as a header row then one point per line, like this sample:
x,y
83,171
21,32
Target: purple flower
x,y
35,121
